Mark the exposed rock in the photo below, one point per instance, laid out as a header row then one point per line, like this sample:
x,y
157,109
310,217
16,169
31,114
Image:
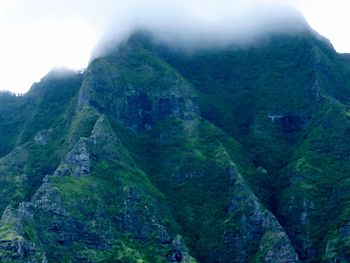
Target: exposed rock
x,y
179,252
255,229
275,247
300,210
64,223
137,106
83,100
42,137
13,246
177,139
77,161
139,220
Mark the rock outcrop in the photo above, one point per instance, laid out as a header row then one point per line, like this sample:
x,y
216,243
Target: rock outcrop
x,y
156,154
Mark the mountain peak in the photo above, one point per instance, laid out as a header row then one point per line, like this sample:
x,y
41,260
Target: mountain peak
x,y
246,28
153,154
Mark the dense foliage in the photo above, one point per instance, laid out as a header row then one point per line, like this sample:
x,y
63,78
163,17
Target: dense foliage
x,y
156,154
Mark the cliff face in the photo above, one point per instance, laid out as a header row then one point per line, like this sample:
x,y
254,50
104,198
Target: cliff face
x,y
157,155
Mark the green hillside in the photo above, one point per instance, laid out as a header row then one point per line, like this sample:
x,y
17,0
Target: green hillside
x,y
157,154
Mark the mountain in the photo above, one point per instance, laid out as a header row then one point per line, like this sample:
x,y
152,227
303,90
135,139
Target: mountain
x,y
159,154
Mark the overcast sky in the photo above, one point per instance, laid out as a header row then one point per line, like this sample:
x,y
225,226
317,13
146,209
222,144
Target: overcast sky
x,y
37,35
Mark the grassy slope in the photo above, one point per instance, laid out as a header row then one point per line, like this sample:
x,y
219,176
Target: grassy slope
x,y
43,107
187,160
179,167
300,75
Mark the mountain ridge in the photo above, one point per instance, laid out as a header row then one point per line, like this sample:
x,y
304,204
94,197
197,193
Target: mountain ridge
x,y
153,154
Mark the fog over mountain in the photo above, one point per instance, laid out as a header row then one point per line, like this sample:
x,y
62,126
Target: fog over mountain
x,y
199,132
63,33
204,26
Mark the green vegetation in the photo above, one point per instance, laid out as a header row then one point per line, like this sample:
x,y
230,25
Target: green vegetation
x,y
154,154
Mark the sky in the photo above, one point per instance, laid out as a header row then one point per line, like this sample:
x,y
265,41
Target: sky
x,y
37,35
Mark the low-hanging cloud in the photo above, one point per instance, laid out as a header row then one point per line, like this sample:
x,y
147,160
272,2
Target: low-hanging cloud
x,y
198,24
64,32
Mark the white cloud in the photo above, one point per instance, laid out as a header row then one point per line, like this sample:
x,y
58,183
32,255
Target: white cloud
x,y
202,24
37,35
330,18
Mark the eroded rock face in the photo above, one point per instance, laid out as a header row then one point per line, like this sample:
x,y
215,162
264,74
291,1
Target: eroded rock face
x,y
13,245
19,251
142,111
153,181
136,105
42,137
63,223
300,210
179,251
255,230
275,247
77,162
80,158
138,219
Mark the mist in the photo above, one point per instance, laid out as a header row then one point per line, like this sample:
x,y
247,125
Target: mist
x,y
38,35
202,25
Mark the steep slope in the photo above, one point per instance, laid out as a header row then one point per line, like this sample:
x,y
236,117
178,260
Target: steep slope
x,y
286,102
154,154
137,162
11,117
187,158
36,145
21,117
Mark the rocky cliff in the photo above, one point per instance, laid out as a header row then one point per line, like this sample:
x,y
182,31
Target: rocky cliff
x,y
154,154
